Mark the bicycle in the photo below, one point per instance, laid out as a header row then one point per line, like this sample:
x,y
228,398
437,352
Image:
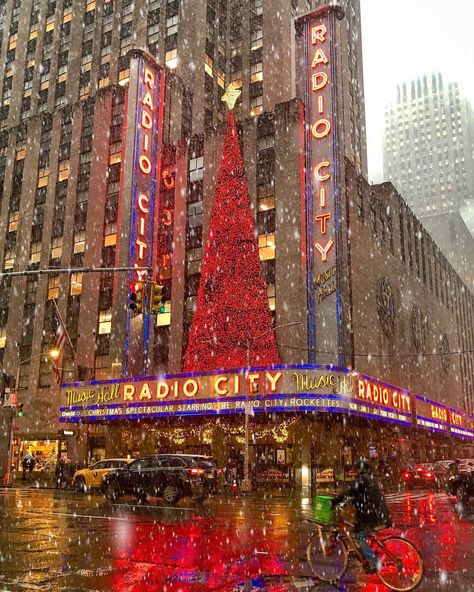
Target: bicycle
x,y
400,565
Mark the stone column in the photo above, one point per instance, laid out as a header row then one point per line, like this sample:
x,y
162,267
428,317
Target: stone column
x,y
219,447
302,457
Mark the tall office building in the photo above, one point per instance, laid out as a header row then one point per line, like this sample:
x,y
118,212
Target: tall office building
x,y
428,146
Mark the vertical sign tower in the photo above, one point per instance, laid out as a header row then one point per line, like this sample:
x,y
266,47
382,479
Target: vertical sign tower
x,y
142,137
317,75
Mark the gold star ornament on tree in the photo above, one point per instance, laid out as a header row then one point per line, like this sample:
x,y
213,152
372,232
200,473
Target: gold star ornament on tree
x,y
231,95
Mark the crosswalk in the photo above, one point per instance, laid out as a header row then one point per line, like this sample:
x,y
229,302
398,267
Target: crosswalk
x,y
438,496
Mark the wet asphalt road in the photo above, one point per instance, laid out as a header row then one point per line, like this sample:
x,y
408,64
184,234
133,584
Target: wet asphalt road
x,y
58,541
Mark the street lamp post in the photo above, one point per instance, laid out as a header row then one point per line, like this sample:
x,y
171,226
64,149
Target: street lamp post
x,y
52,354
246,486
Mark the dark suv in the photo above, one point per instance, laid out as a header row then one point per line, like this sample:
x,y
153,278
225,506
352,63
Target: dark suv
x,y
171,476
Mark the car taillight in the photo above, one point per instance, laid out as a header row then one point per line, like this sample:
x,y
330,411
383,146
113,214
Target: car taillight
x,y
406,475
429,474
419,470
196,471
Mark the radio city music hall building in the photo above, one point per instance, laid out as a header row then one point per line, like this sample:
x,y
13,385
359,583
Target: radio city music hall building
x,y
385,329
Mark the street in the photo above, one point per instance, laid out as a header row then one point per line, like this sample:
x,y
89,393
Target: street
x,y
66,541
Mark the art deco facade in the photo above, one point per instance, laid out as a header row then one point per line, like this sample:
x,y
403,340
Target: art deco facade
x,y
65,70
428,146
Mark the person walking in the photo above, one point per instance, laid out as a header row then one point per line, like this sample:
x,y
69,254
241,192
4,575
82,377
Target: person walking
x,y
371,509
68,473
27,464
59,473
31,466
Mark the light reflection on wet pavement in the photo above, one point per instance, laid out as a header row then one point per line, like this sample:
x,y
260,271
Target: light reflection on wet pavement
x,y
65,541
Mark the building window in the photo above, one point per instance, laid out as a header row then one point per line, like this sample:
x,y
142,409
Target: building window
x,y
53,288
266,197
257,7
266,245
256,39
76,284
271,296
9,259
196,169
110,235
209,66
256,106
13,219
79,242
35,252
43,177
3,337
124,76
256,72
105,322
172,25
57,247
63,173
116,156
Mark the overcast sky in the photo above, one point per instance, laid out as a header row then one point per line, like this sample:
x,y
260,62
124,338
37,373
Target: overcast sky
x,y
405,38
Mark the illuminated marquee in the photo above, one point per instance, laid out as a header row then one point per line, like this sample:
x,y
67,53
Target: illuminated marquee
x,y
431,415
381,394
461,424
292,388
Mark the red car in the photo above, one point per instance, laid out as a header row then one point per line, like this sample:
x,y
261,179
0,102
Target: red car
x,y
421,475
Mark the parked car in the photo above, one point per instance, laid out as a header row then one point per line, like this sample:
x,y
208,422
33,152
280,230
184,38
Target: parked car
x,y
421,475
462,485
91,478
170,476
466,465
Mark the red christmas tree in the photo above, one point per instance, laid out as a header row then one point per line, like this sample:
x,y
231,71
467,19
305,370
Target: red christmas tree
x,y
232,326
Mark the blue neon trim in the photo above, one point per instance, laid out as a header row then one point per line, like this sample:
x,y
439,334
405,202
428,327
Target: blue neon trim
x,y
301,409
309,215
133,214
426,400
329,367
336,188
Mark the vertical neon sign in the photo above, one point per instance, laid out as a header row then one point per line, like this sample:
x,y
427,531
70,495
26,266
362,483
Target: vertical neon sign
x,y
144,119
317,68
149,107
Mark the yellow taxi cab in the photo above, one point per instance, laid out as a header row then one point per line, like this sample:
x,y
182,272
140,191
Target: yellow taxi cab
x,y
91,478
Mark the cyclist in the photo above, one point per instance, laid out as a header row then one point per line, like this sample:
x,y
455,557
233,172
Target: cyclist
x,y
371,509
453,469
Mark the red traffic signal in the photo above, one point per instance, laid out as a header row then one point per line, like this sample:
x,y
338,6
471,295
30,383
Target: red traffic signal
x,y
135,299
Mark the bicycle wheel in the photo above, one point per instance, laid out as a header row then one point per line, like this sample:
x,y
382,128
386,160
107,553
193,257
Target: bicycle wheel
x,y
327,556
401,565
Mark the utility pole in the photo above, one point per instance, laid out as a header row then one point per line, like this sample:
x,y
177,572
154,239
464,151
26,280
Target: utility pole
x,y
246,486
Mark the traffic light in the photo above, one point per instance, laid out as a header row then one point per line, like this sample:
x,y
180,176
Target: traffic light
x,y
135,303
157,298
19,410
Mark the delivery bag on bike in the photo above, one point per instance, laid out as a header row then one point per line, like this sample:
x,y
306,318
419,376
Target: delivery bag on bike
x,y
322,509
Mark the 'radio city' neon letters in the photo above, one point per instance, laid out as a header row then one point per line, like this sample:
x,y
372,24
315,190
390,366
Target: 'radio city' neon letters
x,y
147,113
321,129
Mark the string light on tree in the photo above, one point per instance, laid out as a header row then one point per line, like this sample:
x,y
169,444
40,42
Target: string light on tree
x,y
232,326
